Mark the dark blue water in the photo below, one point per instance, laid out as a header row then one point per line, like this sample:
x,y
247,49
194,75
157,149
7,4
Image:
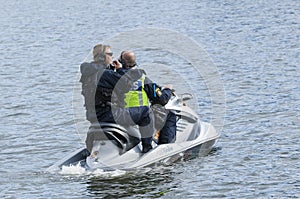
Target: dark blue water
x,y
255,46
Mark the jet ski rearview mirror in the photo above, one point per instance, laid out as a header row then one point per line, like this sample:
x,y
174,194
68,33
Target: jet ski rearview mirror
x,y
186,96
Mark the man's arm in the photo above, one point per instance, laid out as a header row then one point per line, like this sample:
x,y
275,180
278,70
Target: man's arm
x,y
157,94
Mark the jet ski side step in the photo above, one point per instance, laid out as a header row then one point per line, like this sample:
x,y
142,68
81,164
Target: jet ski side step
x,y
71,159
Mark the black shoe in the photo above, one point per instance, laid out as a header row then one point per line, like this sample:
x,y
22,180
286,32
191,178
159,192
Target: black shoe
x,y
146,148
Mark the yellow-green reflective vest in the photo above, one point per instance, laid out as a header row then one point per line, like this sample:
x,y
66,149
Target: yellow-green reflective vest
x,y
137,96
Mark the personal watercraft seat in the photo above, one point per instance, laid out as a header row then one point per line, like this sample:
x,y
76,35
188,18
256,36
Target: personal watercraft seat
x,y
120,136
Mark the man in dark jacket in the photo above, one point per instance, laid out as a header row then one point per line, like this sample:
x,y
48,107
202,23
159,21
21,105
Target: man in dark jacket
x,y
90,75
99,79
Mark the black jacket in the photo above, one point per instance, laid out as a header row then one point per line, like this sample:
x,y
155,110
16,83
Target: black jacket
x,y
90,74
112,86
160,96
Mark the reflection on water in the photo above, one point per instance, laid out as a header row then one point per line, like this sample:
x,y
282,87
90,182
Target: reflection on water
x,y
146,184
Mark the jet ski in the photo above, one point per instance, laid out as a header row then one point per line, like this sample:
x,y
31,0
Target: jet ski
x,y
111,146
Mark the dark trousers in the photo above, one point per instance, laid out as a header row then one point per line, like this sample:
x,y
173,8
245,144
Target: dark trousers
x,y
168,132
141,116
104,114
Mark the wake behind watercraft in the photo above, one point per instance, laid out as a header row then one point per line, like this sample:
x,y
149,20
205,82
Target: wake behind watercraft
x,y
111,146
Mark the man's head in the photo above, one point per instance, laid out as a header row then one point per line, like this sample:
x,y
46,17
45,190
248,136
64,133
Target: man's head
x,y
128,59
103,54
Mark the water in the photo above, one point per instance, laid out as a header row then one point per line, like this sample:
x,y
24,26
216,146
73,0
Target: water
x,y
255,46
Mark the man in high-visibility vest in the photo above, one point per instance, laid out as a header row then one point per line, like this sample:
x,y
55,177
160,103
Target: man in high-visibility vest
x,y
137,100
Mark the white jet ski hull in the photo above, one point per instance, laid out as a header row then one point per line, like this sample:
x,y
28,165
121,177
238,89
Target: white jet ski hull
x,y
122,151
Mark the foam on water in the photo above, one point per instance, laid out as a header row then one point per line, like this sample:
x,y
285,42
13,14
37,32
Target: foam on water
x,y
79,170
113,173
73,170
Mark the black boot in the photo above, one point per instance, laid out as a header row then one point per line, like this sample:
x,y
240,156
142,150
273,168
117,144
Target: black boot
x,y
146,148
146,143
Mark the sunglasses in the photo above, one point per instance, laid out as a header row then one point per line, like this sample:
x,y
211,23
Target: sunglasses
x,y
110,54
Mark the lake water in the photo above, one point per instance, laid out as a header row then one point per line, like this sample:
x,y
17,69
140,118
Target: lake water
x,y
255,46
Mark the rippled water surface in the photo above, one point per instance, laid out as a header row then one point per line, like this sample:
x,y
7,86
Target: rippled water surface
x,y
255,46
